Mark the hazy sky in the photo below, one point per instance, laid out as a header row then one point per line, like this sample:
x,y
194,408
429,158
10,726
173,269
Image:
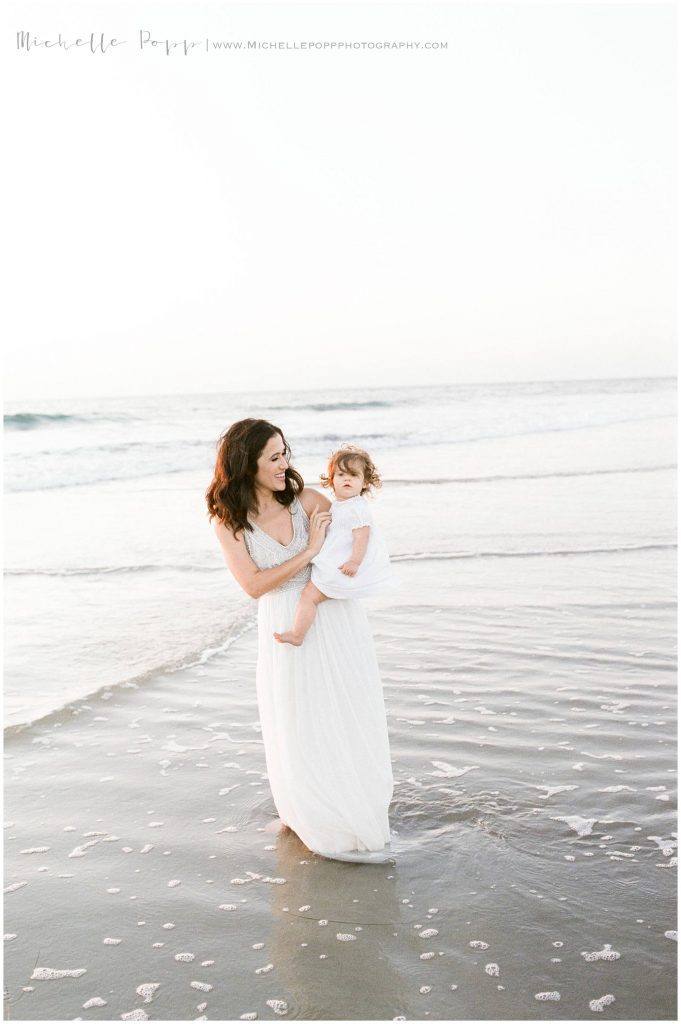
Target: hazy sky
x,y
500,209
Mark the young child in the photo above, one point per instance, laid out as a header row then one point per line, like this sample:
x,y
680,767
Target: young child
x,y
353,561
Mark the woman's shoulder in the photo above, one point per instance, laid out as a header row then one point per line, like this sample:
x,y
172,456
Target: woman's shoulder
x,y
309,498
234,545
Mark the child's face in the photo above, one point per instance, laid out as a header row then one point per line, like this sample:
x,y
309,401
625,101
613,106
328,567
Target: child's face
x,y
348,483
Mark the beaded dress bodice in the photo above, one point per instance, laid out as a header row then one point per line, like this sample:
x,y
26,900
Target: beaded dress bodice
x,y
268,553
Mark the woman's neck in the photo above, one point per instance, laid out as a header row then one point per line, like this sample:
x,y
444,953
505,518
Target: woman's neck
x,y
265,501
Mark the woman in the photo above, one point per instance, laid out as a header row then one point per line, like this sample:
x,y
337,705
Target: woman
x,y
321,705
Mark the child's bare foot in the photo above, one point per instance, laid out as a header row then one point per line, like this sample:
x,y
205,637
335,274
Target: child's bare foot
x,y
289,638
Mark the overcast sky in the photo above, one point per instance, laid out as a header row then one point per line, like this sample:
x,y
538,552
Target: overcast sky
x,y
499,209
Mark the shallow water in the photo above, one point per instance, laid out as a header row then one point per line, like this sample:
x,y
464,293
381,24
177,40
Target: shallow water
x,y
528,667
512,732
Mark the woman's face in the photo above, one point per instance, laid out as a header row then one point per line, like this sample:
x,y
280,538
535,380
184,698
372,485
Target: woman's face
x,y
272,466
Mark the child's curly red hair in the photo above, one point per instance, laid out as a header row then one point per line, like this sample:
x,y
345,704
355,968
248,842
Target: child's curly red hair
x,y
343,459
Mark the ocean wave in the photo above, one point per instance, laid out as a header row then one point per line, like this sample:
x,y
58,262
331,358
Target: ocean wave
x,y
445,556
97,570
243,622
32,420
345,438
31,484
416,556
528,476
335,406
123,447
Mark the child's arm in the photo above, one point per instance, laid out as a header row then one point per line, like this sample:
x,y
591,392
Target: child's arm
x,y
360,542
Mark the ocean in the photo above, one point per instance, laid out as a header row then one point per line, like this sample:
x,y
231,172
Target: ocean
x,y
112,572
528,662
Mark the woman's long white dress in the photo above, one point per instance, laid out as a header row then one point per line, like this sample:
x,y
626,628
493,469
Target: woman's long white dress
x,y
322,714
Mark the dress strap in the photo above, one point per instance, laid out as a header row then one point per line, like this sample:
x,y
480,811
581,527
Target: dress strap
x,y
298,509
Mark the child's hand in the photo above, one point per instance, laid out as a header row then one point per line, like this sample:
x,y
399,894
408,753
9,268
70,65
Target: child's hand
x,y
349,568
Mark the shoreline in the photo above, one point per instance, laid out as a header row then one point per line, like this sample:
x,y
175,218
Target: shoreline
x,y
150,807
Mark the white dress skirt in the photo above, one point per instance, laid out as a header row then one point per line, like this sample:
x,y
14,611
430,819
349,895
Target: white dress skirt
x,y
322,715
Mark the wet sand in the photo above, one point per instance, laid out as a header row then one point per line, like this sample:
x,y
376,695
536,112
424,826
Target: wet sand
x,y
533,749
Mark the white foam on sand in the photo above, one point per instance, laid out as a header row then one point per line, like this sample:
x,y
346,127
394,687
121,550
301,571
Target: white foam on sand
x,y
667,846
111,942
14,886
185,957
552,997
345,938
278,1005
582,826
607,953
673,935
201,986
478,944
95,1001
50,974
552,790
598,1005
428,933
147,990
492,970
448,771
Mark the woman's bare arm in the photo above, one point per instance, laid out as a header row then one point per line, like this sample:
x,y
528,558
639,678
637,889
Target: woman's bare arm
x,y
255,581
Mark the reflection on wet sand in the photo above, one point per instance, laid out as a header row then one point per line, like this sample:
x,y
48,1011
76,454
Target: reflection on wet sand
x,y
334,934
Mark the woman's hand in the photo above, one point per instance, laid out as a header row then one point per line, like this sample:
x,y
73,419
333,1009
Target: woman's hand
x,y
319,521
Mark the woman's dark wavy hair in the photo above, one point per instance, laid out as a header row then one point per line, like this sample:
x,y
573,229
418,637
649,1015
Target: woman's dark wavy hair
x,y
231,495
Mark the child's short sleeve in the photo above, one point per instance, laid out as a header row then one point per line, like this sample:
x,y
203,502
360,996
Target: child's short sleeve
x,y
360,513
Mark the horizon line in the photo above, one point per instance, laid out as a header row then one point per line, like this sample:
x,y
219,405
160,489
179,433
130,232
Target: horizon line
x,y
307,390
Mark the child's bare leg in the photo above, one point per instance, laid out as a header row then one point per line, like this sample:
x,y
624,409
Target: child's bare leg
x,y
304,617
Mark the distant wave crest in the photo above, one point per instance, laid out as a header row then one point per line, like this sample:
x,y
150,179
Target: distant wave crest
x,y
334,406
107,570
444,556
33,420
30,420
529,476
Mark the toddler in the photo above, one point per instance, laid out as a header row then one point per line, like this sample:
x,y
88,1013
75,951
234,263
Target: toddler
x,y
353,561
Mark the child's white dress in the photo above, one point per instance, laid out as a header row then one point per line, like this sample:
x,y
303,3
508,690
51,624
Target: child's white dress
x,y
375,574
